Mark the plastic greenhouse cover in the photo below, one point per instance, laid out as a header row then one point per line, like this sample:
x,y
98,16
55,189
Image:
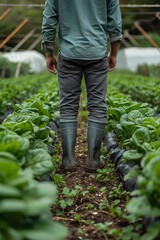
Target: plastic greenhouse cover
x,y
131,58
35,59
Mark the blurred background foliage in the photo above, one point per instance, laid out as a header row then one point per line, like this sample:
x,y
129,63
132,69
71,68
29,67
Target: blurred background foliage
x,y
34,14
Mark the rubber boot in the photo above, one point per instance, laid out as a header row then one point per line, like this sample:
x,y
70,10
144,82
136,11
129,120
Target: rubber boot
x,y
95,135
68,140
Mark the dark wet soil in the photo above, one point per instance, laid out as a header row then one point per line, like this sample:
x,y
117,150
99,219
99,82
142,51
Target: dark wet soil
x,y
97,209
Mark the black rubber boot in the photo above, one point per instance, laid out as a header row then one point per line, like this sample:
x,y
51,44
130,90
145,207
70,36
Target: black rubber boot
x,y
68,140
95,135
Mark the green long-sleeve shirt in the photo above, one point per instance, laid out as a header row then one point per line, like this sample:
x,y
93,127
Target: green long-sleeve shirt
x,y
83,27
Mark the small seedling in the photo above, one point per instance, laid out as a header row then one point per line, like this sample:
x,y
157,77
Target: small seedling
x,y
91,188
103,190
58,179
78,217
103,204
90,206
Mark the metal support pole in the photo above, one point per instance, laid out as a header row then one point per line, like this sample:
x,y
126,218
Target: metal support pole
x,y
131,38
5,13
121,5
14,32
125,43
23,40
35,43
146,35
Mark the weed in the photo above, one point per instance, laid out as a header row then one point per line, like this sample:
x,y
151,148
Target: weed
x,y
69,197
104,204
66,203
103,190
91,188
116,192
58,179
92,176
115,211
128,233
78,217
90,206
80,231
103,228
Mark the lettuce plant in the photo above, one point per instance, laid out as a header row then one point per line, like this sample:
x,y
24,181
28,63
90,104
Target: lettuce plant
x,y
24,205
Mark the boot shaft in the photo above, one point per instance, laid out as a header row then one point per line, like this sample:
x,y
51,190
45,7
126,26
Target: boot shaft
x,y
95,134
68,140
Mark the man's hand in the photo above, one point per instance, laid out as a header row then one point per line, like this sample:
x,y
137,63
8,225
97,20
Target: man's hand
x,y
112,61
51,64
112,58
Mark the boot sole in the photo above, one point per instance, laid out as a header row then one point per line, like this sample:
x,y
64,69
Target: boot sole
x,y
102,165
62,167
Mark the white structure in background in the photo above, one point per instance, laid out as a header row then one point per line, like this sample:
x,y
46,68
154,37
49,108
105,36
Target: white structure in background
x,y
130,58
35,59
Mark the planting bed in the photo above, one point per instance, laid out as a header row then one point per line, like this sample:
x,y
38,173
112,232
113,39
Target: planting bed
x,y
92,205
17,90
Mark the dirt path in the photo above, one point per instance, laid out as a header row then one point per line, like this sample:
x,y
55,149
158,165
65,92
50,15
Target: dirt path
x,y
92,205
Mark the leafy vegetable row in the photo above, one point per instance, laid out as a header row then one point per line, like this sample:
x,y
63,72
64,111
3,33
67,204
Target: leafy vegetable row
x,y
138,132
141,89
16,90
27,129
24,205
24,139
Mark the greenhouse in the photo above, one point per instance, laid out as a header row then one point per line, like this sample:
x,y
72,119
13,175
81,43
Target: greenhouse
x,y
34,59
131,58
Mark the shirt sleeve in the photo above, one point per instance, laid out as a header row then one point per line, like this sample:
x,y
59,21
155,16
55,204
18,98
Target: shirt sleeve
x,y
49,26
114,20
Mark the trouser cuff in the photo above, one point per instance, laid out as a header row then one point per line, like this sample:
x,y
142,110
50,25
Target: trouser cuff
x,y
66,120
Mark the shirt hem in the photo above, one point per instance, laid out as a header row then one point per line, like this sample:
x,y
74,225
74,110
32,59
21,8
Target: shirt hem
x,y
83,58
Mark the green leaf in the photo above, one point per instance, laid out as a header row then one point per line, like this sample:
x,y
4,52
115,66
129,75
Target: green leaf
x,y
8,191
8,169
20,128
13,143
43,133
134,116
43,110
142,207
13,234
7,156
115,113
151,166
12,205
34,200
39,161
132,156
133,173
153,231
70,202
148,158
39,144
63,204
45,230
66,191
23,115
141,136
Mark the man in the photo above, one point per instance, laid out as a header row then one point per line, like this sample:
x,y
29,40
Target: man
x,y
83,29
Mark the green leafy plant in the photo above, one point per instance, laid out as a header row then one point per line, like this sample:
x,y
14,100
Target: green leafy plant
x,y
24,205
26,133
16,90
138,132
69,197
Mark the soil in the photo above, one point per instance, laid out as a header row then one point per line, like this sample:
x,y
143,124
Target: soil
x,y
98,208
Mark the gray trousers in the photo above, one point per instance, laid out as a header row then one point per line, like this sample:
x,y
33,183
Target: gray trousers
x,y
70,73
